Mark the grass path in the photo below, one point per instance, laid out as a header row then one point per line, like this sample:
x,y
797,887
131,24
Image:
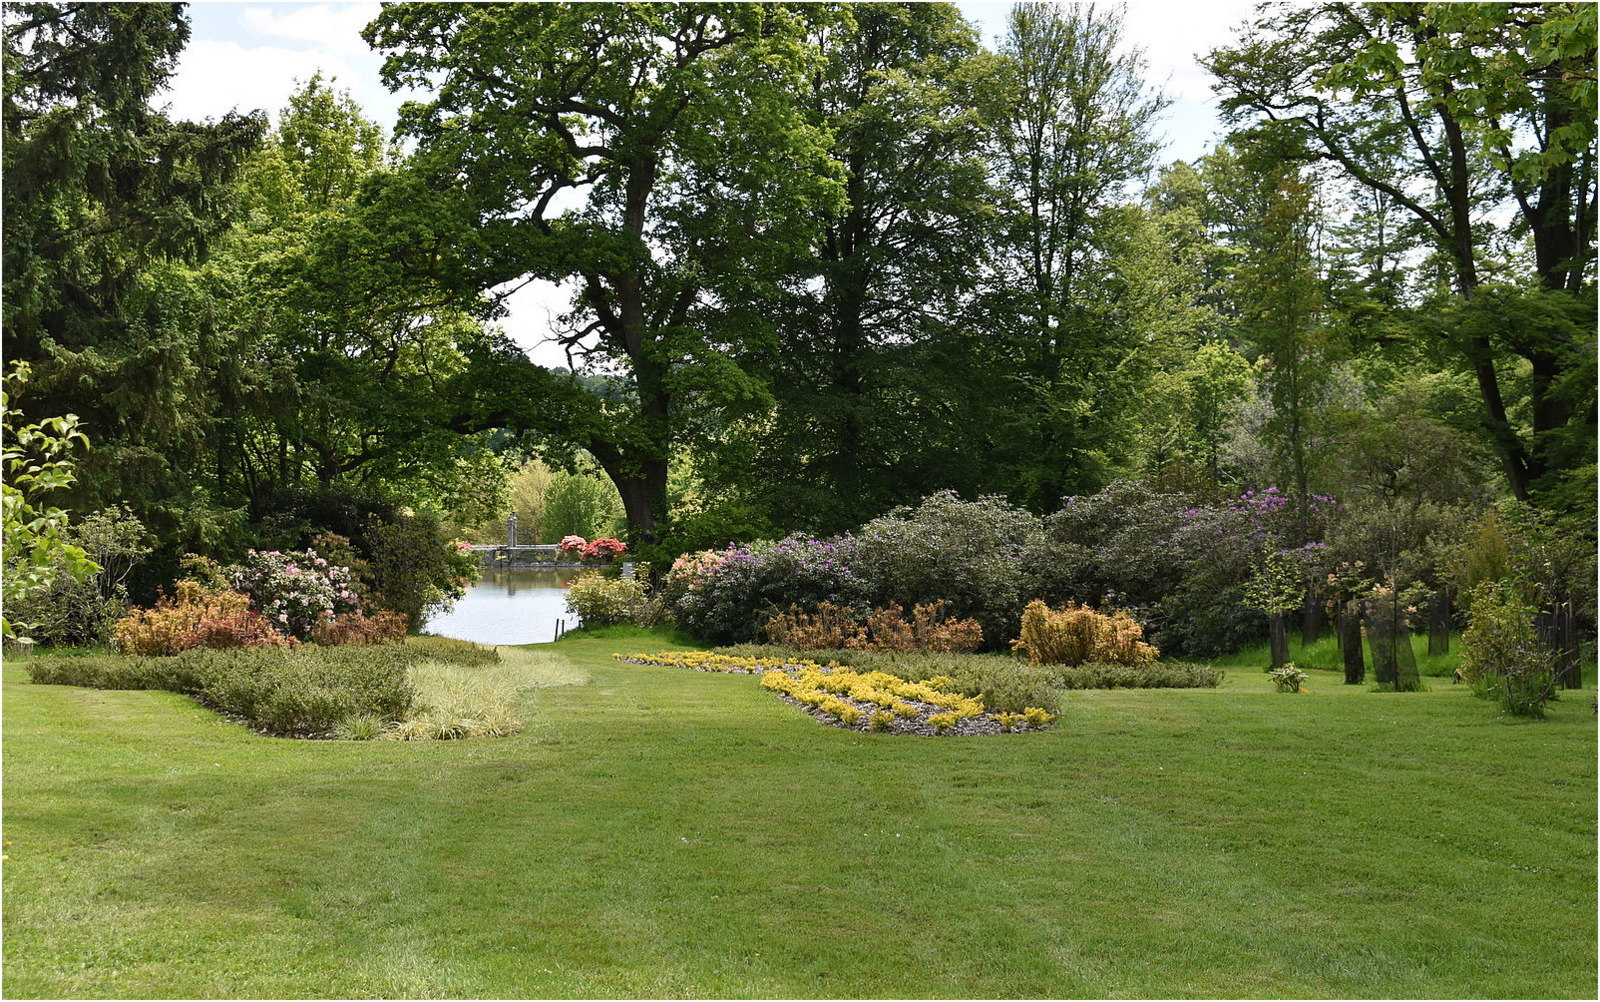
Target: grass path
x,y
659,832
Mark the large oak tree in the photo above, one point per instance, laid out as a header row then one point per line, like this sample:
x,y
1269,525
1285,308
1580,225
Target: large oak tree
x,y
652,154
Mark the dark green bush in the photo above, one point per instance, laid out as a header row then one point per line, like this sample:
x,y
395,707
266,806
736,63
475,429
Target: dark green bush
x,y
309,690
114,671
70,612
452,651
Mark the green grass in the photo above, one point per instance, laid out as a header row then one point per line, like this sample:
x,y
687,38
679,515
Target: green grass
x,y
661,832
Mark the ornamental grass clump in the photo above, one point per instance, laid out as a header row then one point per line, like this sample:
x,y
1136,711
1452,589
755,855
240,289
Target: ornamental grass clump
x,y
1075,634
454,702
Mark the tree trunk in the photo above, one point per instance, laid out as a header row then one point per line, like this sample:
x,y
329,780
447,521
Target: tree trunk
x,y
1439,623
1355,662
1279,640
644,498
1313,620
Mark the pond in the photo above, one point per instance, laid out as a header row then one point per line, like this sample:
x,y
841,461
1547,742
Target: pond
x,y
508,606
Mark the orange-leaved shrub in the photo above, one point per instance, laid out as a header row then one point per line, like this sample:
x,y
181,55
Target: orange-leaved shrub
x,y
195,616
828,628
1075,634
926,630
834,627
354,628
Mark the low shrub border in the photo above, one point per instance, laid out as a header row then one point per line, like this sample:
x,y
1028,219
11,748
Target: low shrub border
x,y
305,692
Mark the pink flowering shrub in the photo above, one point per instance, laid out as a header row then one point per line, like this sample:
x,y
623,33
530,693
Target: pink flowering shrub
x,y
572,544
294,590
603,548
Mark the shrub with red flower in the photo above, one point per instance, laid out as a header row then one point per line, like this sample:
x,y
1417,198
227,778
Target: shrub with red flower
x,y
606,547
572,544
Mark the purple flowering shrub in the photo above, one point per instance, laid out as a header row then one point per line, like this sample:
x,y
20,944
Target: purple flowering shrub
x,y
732,602
294,590
1177,561
968,555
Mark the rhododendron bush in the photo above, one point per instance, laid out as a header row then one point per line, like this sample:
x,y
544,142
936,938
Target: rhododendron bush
x,y
1171,563
295,590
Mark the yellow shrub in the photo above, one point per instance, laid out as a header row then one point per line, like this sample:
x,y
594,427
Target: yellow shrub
x,y
1075,634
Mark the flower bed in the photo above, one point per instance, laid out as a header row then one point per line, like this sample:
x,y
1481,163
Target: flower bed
x,y
707,661
863,701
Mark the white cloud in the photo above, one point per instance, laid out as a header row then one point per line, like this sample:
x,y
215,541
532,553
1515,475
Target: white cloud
x,y
335,26
214,77
248,57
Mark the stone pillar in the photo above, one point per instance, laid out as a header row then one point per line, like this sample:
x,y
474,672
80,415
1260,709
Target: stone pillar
x,y
511,529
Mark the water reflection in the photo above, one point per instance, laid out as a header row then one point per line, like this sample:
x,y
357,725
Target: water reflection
x,y
508,607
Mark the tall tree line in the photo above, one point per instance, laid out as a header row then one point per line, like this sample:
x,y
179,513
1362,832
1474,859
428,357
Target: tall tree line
x,y
828,258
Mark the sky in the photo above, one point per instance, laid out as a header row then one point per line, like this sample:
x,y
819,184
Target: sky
x,y
249,55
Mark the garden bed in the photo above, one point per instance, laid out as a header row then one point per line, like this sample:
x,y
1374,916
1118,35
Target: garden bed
x,y
873,701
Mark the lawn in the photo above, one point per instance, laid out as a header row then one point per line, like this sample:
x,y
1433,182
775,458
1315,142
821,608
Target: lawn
x,y
663,832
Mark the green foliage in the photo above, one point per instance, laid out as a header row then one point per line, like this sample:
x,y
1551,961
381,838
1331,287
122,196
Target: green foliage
x,y
76,611
1502,656
107,203
1457,117
414,567
1074,125
1155,675
600,600
36,459
681,133
578,504
965,553
307,691
1276,585
115,671
359,727
870,358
